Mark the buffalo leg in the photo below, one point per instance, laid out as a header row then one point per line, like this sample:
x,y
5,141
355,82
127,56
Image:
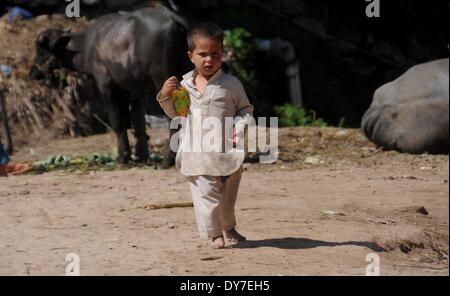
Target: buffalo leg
x,y
118,114
138,121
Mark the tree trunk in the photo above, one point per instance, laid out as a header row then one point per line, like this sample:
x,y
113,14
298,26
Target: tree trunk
x,y
6,137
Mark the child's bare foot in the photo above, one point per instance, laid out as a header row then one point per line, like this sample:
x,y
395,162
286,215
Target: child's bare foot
x,y
234,236
218,242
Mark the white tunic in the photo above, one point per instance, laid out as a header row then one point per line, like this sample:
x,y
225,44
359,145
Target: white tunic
x,y
210,120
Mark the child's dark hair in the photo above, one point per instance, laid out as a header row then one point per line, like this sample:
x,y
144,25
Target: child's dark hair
x,y
207,30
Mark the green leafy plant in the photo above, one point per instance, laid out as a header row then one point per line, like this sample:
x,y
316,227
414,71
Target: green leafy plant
x,y
342,123
291,115
94,161
238,50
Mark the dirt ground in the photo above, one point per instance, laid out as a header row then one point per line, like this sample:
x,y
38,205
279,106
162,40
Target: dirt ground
x,y
329,201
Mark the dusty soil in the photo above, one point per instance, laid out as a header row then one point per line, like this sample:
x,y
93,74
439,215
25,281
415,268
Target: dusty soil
x,y
330,200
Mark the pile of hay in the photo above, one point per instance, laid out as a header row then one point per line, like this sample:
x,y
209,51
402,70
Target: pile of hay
x,y
36,106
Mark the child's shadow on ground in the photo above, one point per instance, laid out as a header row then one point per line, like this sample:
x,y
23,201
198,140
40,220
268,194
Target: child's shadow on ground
x,y
301,243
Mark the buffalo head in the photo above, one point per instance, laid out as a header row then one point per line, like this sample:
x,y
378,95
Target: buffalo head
x,y
51,52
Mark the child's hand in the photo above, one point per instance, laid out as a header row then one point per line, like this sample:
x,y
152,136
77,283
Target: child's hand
x,y
169,86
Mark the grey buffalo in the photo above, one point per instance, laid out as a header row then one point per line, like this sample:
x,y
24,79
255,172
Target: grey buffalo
x,y
410,114
129,55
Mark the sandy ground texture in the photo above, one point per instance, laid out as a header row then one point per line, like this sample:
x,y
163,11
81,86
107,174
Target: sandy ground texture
x,y
329,201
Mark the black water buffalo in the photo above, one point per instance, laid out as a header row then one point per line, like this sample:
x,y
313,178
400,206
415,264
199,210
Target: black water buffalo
x,y
410,114
129,55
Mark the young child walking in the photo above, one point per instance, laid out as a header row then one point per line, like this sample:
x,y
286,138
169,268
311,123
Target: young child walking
x,y
214,176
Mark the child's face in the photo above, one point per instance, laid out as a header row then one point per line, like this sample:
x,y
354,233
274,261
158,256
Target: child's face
x,y
207,56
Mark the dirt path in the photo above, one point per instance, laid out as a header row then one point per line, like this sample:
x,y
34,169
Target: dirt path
x,y
300,220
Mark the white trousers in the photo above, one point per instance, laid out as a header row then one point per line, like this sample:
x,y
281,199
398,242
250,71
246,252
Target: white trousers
x,y
214,199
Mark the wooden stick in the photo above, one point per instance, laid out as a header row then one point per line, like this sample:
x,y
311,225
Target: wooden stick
x,y
380,149
4,123
186,204
32,110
